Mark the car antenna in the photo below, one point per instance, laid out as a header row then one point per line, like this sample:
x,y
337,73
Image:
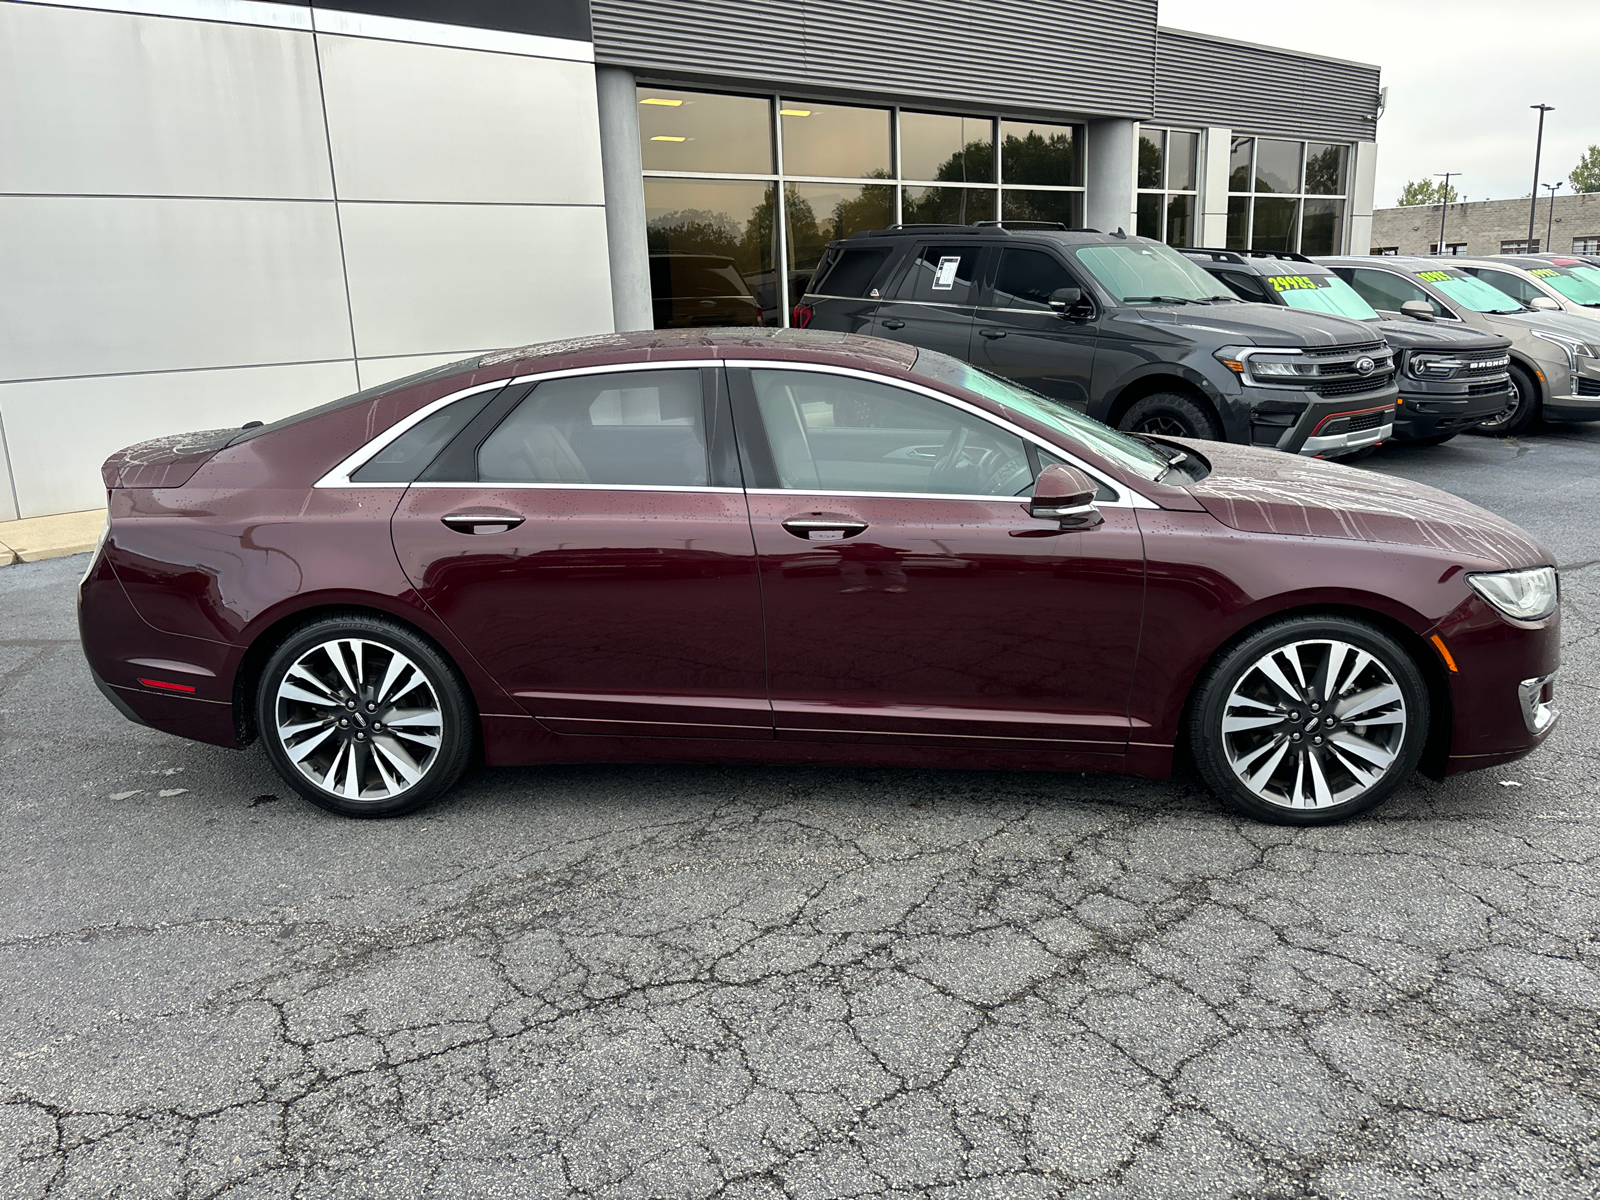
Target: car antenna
x,y
1119,233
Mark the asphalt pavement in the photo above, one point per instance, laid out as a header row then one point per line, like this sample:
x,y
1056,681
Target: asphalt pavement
x,y
746,982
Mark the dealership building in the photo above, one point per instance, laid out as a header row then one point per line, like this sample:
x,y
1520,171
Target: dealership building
x,y
215,211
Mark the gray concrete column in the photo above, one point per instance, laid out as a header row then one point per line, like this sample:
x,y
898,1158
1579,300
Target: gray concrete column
x,y
624,184
1363,182
1109,177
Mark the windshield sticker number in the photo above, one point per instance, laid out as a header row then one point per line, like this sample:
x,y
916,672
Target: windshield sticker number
x,y
1434,276
1293,283
944,279
1543,273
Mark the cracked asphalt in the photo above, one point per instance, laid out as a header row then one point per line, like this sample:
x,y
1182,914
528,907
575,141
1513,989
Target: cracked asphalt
x,y
738,982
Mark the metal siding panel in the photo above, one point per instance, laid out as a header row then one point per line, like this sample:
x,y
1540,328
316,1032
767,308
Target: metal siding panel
x,y
1259,89
1073,57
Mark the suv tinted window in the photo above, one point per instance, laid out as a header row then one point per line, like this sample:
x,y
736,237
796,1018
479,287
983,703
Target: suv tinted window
x,y
1512,285
1384,290
852,272
1028,278
837,433
629,427
1246,287
942,275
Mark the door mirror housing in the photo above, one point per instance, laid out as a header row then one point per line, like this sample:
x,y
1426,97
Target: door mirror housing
x,y
1417,310
1067,300
1544,304
1065,494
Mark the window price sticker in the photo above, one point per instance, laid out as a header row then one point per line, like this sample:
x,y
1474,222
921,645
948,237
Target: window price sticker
x,y
944,279
1543,272
1298,283
1434,276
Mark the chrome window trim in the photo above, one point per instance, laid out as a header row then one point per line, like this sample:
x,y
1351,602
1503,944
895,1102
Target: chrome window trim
x,y
1127,497
339,476
496,485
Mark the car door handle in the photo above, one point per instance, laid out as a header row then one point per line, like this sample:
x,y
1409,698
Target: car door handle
x,y
824,527
891,323
481,522
991,334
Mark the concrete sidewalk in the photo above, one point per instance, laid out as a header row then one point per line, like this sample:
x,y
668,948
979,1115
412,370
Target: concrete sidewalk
x,y
50,537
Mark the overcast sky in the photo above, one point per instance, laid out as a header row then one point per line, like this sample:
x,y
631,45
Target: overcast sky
x,y
1460,74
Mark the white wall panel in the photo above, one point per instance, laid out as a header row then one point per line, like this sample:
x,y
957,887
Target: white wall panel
x,y
426,277
61,430
414,122
8,496
386,370
100,102
97,285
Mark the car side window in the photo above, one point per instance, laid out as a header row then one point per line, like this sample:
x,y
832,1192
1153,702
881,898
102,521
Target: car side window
x,y
1028,278
641,427
852,273
1385,290
1246,287
1504,281
838,433
942,275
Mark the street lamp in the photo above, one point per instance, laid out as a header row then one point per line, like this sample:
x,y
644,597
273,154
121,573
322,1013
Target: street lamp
x,y
1538,147
1550,221
1444,202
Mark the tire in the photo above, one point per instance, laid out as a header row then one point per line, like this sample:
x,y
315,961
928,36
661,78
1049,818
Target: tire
x,y
1437,439
1519,413
1171,414
1252,737
318,729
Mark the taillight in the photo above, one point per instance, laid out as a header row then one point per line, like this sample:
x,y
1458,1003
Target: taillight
x,y
802,315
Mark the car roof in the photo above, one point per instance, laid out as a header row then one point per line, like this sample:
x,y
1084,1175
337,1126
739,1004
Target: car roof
x,y
1245,258
1010,230
1406,262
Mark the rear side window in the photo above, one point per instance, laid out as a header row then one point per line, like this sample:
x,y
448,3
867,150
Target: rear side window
x,y
1246,287
403,459
852,272
1028,278
1383,290
1505,281
942,275
640,427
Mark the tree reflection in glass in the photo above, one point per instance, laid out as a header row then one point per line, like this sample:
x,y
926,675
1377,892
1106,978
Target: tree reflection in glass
x,y
712,250
818,213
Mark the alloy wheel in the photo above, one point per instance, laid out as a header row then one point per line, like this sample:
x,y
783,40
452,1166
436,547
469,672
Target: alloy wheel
x,y
1314,724
359,719
1164,426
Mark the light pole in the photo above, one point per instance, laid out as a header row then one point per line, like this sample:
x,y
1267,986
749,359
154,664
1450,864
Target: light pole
x,y
1550,220
1444,202
1538,147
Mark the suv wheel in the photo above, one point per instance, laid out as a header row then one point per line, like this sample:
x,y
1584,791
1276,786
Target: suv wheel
x,y
1171,414
1520,410
1309,720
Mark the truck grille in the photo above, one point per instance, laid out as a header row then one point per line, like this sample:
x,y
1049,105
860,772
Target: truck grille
x,y
1354,385
1366,420
1482,362
1374,349
1485,389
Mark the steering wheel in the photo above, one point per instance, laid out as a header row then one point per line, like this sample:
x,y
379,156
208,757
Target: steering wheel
x,y
946,466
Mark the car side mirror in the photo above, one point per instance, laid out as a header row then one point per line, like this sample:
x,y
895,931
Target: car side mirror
x,y
1544,304
1065,494
1066,300
1417,310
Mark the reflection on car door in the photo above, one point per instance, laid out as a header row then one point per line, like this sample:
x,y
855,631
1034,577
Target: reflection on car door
x,y
577,539
933,297
1019,336
910,598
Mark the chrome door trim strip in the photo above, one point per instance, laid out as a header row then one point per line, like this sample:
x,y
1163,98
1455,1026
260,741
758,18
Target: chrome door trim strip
x,y
493,485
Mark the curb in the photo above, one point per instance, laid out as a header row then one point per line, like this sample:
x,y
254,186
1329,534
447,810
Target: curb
x,y
50,537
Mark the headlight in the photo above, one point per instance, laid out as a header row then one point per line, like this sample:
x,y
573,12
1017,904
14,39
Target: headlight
x,y
1432,366
1575,348
1266,366
1526,595
1278,368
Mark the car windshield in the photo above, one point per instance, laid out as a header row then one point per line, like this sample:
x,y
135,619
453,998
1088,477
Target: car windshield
x,y
1470,292
1142,272
1570,284
1590,275
1321,293
1128,453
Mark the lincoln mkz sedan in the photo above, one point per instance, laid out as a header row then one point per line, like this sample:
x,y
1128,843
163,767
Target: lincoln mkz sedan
x,y
775,545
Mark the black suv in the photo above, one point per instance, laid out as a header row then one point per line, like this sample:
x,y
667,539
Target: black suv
x,y
1450,379
1122,328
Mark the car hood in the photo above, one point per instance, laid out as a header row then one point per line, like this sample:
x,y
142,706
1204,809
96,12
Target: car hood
x,y
1584,328
1431,335
1257,324
1266,491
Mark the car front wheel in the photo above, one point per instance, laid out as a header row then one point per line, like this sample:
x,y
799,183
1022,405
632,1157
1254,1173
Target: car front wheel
x,y
1521,407
1171,414
1309,720
363,717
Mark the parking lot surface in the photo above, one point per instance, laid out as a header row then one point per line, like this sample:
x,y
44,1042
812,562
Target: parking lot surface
x,y
698,981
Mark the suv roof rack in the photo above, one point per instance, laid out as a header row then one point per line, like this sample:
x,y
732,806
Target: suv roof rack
x,y
975,228
1238,256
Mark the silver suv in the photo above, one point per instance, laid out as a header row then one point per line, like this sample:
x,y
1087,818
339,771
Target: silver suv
x,y
1555,356
1551,283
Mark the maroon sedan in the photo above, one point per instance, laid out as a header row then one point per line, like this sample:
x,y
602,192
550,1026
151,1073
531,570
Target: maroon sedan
x,y
780,546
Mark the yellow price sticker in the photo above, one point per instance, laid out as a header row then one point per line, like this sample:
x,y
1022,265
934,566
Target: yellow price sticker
x,y
1293,283
1543,273
1433,276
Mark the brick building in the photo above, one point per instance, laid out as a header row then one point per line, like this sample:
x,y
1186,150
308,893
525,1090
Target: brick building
x,y
1491,227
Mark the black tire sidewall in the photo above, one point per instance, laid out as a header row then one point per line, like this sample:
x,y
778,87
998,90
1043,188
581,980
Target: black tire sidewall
x,y
1527,407
1191,412
460,720
1219,678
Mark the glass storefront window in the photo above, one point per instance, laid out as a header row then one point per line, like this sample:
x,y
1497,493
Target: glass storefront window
x,y
1152,153
1238,222
1149,222
703,131
1325,169
1183,154
1277,166
1239,164
1180,220
1040,154
946,149
1167,193
1019,205
1273,226
713,246
818,213
835,141
947,205
1299,195
1320,226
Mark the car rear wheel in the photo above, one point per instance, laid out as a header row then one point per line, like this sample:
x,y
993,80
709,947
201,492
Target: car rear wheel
x,y
1520,409
1171,414
363,717
1309,720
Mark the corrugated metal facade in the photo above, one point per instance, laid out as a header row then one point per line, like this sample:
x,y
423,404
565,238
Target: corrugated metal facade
x,y
1256,89
1069,57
